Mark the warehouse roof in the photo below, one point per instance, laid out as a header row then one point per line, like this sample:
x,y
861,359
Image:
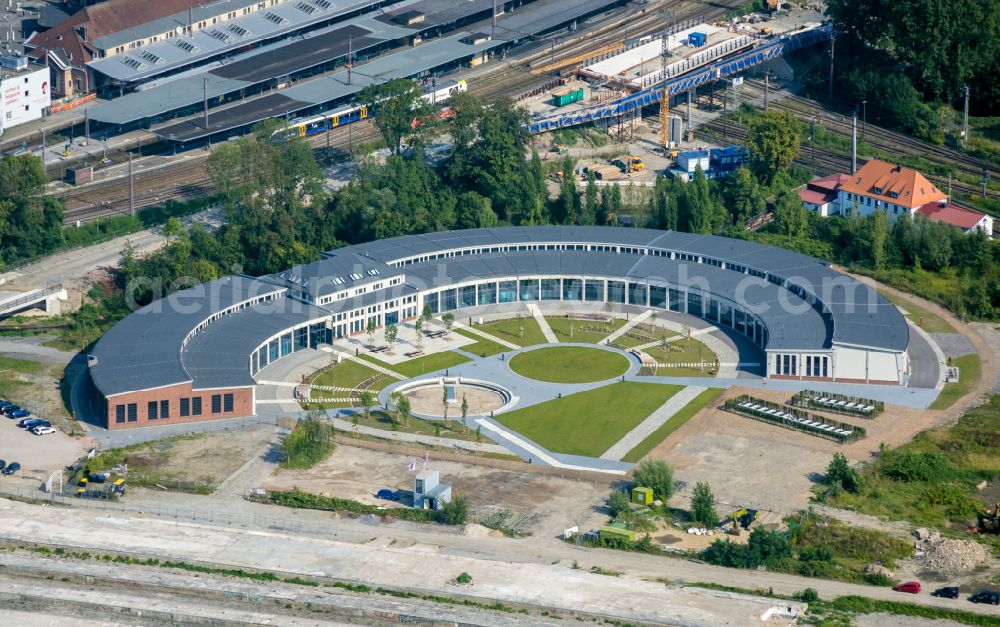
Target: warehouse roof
x,y
145,349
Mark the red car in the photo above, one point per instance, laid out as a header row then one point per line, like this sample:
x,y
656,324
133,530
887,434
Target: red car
x,y
913,587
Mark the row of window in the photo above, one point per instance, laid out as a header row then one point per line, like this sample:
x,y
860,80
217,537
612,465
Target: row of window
x,y
160,410
798,365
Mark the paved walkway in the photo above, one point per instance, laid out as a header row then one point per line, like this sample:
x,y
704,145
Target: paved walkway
x,y
485,447
628,325
484,334
365,362
537,453
653,422
543,324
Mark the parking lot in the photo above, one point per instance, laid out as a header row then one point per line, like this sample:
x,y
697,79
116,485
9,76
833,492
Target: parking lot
x,y
38,455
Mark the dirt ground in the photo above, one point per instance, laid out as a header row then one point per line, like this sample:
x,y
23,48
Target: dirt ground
x,y
357,473
38,455
427,400
753,464
210,457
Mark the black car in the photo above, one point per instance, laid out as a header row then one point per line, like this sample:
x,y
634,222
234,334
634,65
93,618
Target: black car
x,y
9,409
986,596
948,592
2,464
11,468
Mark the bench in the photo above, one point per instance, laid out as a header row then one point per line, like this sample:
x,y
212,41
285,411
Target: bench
x,y
414,353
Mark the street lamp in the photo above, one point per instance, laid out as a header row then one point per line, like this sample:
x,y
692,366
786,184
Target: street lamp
x,y
864,117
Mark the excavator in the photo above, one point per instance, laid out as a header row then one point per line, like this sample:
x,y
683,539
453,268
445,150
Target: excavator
x,y
988,520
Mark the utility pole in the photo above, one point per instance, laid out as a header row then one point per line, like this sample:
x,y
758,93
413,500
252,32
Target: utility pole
x,y
767,84
812,142
665,93
725,120
985,180
131,187
493,32
86,127
949,184
204,95
690,131
43,147
350,56
829,88
965,116
854,143
864,118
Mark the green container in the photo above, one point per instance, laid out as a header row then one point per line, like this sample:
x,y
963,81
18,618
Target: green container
x,y
567,97
617,532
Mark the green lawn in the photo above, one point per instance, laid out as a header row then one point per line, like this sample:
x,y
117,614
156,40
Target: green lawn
x,y
346,374
421,365
692,351
383,420
24,366
589,423
510,330
923,318
676,422
584,331
482,346
569,364
968,375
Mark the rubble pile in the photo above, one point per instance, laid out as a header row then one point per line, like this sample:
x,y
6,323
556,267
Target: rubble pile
x,y
948,556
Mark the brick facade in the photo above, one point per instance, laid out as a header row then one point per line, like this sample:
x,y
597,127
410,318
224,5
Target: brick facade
x,y
146,408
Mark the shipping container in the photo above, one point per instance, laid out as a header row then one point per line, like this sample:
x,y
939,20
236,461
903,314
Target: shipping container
x,y
567,97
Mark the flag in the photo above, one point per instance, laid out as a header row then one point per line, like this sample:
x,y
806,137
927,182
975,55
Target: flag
x,y
412,466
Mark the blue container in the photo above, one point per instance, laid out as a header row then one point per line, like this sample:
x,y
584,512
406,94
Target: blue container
x,y
697,39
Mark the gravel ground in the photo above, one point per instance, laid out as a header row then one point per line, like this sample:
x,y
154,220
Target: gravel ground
x,y
953,344
991,335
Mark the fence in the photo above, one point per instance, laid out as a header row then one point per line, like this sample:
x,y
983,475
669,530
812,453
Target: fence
x,y
838,403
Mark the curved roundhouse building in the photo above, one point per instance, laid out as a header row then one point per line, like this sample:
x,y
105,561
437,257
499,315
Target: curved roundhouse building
x,y
194,355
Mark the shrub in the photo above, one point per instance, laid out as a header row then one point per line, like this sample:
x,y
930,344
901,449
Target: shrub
x,y
311,441
656,475
454,512
840,474
619,504
809,595
910,466
464,579
878,579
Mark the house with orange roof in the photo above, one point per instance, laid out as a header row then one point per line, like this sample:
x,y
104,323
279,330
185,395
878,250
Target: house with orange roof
x,y
895,189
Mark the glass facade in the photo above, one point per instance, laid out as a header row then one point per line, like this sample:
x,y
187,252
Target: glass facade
x,y
550,289
694,304
449,300
286,344
676,304
431,301
487,293
508,291
467,296
301,338
594,290
616,291
528,289
637,294
713,309
272,350
572,289
657,297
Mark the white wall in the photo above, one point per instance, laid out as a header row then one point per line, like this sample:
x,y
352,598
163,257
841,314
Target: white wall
x,y
23,97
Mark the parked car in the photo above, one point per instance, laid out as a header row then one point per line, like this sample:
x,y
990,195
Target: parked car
x,y
8,410
913,587
11,468
29,423
986,596
43,430
20,413
948,592
387,494
5,404
2,464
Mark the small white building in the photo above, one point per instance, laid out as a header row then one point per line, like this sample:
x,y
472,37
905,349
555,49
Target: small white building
x,y
429,492
24,91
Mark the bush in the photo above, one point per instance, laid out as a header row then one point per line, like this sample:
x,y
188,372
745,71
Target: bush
x,y
306,500
809,595
454,512
656,475
911,466
763,548
879,579
311,441
840,474
464,579
703,505
619,504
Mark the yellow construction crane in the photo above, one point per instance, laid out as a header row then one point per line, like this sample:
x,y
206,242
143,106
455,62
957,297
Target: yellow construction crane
x,y
665,97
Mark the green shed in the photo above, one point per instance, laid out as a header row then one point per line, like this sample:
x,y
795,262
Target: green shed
x,y
616,532
642,496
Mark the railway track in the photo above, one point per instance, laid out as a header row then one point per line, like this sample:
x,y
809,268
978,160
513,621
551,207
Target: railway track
x,y
189,180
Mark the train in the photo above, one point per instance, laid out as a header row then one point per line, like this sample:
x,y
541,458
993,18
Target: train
x,y
304,127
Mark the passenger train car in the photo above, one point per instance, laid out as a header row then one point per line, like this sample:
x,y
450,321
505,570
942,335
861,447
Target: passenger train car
x,y
304,127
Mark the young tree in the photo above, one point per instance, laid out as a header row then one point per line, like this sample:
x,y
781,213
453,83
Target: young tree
x,y
618,503
656,475
703,505
418,326
878,234
403,409
773,143
465,412
354,423
479,439
394,401
370,330
444,404
402,115
391,331
839,473
448,319
367,400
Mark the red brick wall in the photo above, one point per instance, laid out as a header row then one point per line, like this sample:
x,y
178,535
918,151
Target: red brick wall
x,y
242,405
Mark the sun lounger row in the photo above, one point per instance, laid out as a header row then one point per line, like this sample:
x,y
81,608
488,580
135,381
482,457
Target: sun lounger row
x,y
777,413
832,402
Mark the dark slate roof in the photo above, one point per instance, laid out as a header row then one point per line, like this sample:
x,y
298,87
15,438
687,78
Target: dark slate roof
x,y
145,349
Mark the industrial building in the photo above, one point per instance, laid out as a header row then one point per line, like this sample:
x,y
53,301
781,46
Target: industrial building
x,y
194,355
24,91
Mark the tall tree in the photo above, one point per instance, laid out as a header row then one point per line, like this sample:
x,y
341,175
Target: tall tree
x,y
703,505
773,143
401,113
588,212
742,196
789,215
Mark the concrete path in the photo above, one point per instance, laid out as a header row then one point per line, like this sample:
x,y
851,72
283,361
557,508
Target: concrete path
x,y
550,337
628,325
484,334
536,452
385,434
653,422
